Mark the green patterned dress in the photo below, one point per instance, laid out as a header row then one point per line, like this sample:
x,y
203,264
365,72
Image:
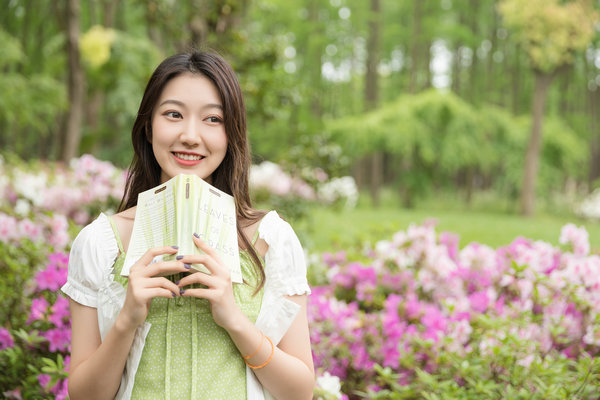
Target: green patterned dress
x,y
187,355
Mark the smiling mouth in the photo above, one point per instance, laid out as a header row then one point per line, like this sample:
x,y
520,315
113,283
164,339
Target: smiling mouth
x,y
188,157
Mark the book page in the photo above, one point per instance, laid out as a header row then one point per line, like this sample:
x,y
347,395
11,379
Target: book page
x,y
216,225
153,224
172,212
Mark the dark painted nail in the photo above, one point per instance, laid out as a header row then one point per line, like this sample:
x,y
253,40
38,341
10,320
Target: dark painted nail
x,y
195,234
177,283
173,294
175,247
187,266
181,292
178,257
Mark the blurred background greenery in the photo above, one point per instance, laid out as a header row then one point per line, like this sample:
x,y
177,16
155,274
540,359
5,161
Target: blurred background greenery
x,y
472,111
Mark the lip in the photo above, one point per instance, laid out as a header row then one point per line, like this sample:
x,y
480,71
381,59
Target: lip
x,y
187,163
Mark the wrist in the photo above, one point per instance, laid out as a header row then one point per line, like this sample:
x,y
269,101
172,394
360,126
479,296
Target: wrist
x,y
238,324
123,325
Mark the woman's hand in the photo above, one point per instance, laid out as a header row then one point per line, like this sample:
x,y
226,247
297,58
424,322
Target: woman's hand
x,y
219,289
145,284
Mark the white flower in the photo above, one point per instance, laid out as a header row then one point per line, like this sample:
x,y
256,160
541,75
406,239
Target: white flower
x,y
330,384
590,206
343,188
22,207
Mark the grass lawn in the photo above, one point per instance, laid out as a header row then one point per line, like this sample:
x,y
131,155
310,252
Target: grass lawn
x,y
329,230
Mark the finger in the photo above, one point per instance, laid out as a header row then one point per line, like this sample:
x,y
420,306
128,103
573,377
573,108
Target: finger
x,y
197,277
164,267
214,266
207,294
160,292
202,245
154,252
160,282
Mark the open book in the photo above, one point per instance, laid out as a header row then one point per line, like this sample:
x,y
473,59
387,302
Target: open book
x,y
172,212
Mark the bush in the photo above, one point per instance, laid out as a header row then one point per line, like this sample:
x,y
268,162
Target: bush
x,y
423,319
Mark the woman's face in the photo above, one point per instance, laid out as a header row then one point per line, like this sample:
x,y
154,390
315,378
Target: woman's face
x,y
188,130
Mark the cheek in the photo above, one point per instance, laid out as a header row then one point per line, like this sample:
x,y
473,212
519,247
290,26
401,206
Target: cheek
x,y
222,142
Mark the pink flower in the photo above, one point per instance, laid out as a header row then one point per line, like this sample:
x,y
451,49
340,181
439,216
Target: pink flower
x,y
43,380
59,339
526,362
60,390
8,228
450,240
14,394
60,312
27,229
39,307
55,274
577,238
479,301
59,226
6,340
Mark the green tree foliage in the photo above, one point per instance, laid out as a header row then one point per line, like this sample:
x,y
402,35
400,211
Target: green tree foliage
x,y
438,140
303,63
29,101
551,32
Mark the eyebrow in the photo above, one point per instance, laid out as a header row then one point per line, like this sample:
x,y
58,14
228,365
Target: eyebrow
x,y
180,103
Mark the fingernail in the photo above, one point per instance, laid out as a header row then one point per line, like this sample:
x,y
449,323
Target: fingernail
x,y
178,257
195,234
175,247
173,294
187,266
181,292
177,283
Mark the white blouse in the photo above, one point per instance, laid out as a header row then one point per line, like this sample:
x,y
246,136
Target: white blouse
x,y
91,282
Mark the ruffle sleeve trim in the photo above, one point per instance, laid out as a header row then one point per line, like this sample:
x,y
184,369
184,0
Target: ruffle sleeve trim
x,y
285,264
80,293
92,256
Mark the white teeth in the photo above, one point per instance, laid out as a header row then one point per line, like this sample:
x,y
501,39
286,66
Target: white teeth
x,y
188,157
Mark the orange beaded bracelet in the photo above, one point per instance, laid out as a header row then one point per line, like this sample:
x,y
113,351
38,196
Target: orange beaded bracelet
x,y
268,359
262,339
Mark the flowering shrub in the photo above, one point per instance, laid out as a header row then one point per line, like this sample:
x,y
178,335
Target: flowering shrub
x,y
422,317
42,205
35,357
417,317
293,194
78,191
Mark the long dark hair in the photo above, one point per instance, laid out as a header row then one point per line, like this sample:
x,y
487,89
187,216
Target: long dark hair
x,y
231,176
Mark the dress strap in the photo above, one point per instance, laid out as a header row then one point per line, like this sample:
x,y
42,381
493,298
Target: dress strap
x,y
116,233
255,237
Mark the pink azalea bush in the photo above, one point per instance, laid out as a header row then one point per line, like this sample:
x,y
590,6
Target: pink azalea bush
x,y
422,316
36,356
77,191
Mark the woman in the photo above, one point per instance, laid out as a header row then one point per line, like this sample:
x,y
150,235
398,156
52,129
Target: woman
x,y
164,332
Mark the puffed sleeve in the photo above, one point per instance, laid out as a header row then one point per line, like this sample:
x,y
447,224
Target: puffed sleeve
x,y
285,264
93,254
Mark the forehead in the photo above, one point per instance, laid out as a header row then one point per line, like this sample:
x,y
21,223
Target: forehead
x,y
190,88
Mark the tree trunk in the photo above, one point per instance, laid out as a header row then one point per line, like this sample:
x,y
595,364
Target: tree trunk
x,y
76,81
594,101
532,156
314,54
414,49
372,93
516,81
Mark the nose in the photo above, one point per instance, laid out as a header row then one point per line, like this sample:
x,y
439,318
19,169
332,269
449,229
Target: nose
x,y
190,135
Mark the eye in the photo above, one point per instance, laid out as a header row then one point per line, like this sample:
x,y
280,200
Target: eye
x,y
214,119
173,114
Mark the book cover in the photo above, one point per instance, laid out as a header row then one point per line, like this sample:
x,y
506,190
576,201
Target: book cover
x,y
172,212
